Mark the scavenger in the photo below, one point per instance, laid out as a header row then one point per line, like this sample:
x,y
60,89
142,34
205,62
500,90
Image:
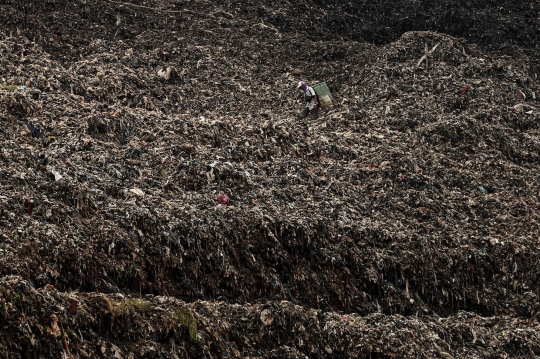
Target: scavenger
x,y
312,100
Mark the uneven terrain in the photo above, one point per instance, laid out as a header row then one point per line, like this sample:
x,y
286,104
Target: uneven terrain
x,y
170,203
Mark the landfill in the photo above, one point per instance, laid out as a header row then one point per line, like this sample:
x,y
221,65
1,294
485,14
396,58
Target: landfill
x,y
160,197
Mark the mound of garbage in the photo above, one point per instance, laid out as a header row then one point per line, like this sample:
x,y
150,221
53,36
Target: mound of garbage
x,y
48,323
160,196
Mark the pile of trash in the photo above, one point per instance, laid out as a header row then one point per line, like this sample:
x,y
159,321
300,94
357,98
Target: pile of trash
x,y
47,323
166,159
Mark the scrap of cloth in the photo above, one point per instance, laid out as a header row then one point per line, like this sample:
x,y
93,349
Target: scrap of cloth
x,y
35,131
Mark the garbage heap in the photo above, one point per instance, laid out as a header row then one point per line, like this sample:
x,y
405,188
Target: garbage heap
x,y
47,323
155,151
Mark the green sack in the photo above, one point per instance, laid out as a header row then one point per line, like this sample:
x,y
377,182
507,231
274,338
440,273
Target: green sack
x,y
323,93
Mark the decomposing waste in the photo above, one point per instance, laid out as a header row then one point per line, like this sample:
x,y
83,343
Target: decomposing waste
x,y
160,196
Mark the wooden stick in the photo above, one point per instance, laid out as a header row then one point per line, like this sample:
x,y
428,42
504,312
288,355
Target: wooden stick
x,y
426,55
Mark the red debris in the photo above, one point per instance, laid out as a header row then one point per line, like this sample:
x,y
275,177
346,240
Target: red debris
x,y
223,199
465,89
73,307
